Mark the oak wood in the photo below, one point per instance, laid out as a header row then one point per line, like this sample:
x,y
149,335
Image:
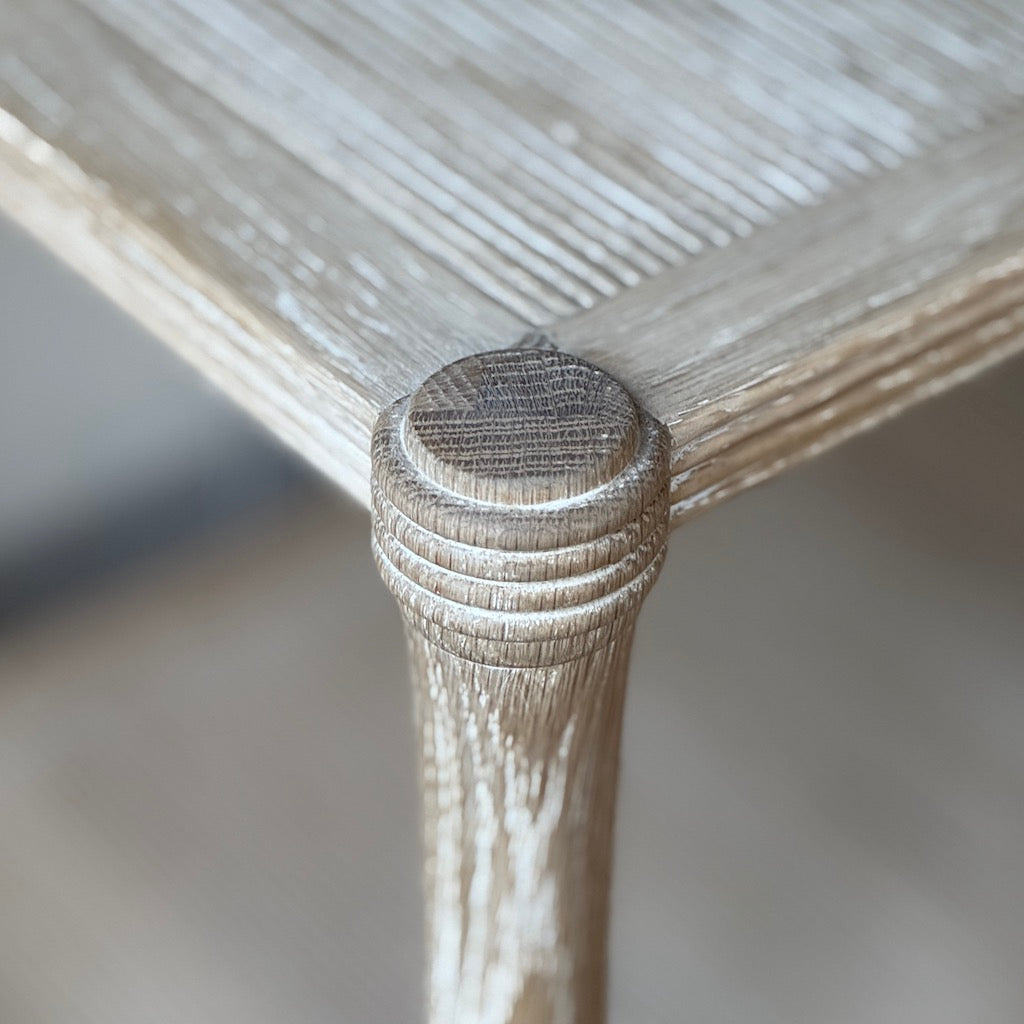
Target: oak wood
x,y
828,323
759,216
520,518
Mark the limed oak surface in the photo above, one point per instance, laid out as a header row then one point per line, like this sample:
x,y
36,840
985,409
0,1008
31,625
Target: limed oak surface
x,y
520,513
776,222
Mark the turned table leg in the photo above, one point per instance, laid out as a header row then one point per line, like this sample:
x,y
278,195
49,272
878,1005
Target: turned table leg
x,y
520,506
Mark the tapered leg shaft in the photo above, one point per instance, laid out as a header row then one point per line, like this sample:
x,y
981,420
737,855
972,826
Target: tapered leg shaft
x,y
519,773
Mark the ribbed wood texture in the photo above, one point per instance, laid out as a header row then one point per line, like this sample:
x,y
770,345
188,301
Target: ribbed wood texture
x,y
320,203
519,592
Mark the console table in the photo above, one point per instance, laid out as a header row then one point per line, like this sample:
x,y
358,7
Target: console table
x,y
536,282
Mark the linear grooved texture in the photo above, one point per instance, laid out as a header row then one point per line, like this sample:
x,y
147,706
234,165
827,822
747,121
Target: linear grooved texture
x,y
322,202
484,428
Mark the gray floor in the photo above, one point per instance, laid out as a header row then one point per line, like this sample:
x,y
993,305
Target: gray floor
x,y
206,781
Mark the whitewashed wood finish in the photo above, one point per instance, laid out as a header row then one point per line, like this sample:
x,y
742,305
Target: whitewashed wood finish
x,y
322,203
520,517
520,773
827,323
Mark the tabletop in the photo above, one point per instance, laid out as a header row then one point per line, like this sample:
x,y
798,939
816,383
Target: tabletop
x,y
776,222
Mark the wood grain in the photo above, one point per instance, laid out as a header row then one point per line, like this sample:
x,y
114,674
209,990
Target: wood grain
x,y
519,590
828,323
320,204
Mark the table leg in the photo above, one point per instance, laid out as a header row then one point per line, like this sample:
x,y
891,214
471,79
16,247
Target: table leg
x,y
520,507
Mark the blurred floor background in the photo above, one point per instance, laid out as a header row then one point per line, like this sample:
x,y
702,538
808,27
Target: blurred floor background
x,y
110,447
207,795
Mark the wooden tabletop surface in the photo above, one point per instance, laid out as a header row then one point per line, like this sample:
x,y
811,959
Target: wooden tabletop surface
x,y
776,222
